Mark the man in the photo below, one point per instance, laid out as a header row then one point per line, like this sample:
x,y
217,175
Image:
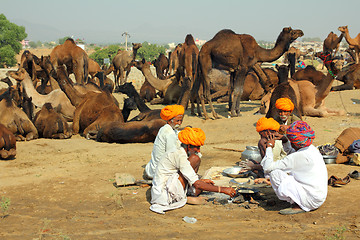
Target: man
x,y
285,107
166,139
176,175
301,177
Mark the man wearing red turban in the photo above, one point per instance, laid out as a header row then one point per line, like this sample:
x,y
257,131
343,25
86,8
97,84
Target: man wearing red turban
x,y
301,177
176,175
166,139
285,108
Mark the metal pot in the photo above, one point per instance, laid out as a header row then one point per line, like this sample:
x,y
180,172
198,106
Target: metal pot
x,y
251,153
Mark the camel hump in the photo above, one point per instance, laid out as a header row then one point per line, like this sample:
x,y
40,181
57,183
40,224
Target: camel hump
x,y
70,40
224,32
189,40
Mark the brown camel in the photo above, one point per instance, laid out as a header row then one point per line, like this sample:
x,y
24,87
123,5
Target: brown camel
x,y
93,109
174,59
7,143
122,62
146,114
309,73
94,67
130,132
147,92
15,119
73,57
57,98
237,53
170,87
161,65
51,124
309,98
351,78
332,42
353,42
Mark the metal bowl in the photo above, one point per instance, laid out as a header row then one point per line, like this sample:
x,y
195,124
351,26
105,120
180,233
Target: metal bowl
x,y
235,172
329,159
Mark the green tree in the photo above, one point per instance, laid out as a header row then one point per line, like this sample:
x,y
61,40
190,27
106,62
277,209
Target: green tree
x,y
150,51
10,37
101,53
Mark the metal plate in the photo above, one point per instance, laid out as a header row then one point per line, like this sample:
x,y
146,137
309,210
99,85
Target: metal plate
x,y
235,172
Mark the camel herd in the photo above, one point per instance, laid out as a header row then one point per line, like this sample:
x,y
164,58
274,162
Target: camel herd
x,y
226,68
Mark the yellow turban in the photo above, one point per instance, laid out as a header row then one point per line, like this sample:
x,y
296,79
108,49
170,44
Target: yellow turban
x,y
267,124
284,104
171,111
192,136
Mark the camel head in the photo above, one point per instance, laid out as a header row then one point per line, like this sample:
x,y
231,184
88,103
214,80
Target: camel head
x,y
18,75
343,29
289,35
141,64
136,45
126,88
46,64
129,103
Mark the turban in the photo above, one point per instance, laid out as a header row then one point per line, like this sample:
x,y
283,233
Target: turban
x,y
192,136
171,111
284,104
300,134
267,124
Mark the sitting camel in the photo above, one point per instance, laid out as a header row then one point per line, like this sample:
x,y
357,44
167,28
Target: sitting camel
x,y
93,109
309,98
15,119
170,87
147,92
350,77
122,62
7,143
130,132
57,98
51,124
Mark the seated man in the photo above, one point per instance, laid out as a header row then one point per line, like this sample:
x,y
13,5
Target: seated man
x,y
176,174
285,107
166,139
301,177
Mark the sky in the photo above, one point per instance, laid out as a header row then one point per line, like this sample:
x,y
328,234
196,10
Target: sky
x,y
167,21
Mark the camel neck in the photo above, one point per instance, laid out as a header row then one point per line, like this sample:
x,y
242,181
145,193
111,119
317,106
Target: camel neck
x,y
160,85
30,90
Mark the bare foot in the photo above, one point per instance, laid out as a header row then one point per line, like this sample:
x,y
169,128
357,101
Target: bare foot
x,y
196,200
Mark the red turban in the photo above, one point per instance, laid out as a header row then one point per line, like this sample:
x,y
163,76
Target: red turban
x,y
267,124
284,104
171,111
192,136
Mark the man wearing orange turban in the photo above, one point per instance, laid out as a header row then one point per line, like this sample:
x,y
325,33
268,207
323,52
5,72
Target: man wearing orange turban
x,y
166,139
176,175
285,108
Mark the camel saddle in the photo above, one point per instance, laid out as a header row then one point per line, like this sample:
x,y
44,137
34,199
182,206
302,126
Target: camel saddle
x,y
345,139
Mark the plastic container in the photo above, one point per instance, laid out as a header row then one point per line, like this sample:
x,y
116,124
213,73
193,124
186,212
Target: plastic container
x,y
189,219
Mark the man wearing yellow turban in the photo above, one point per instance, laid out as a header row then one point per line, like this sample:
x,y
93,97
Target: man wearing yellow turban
x,y
285,108
166,139
176,175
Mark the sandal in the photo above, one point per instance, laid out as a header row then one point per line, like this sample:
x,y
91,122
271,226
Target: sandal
x,y
290,211
355,174
336,182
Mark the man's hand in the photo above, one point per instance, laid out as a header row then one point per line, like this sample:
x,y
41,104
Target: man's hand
x,y
270,140
228,191
208,181
283,128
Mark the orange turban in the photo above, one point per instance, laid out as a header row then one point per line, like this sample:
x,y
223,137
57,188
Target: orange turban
x,y
267,124
284,104
192,136
171,111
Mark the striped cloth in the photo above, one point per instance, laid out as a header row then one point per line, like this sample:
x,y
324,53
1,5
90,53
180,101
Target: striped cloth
x,y
300,134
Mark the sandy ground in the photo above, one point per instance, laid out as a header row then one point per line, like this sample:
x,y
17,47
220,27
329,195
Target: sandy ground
x,y
63,189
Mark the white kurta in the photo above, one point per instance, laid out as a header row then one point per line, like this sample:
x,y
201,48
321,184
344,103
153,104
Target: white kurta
x,y
300,177
165,141
167,191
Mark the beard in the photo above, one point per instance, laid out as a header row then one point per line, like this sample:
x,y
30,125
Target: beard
x,y
176,127
284,118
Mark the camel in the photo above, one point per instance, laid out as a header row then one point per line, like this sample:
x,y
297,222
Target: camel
x,y
7,143
93,109
73,57
130,132
161,65
351,78
101,80
147,92
170,87
308,98
51,124
146,114
123,61
129,105
353,42
57,98
332,42
15,119
309,73
94,67
237,53
174,59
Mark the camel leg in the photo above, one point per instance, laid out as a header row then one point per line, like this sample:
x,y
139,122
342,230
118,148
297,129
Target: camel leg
x,y
313,112
76,119
237,91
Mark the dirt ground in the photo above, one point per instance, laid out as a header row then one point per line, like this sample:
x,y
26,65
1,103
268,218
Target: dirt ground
x,y
63,189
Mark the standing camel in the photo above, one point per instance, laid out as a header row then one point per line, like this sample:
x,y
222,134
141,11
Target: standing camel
x,y
237,53
161,65
332,42
123,62
353,42
174,59
73,57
